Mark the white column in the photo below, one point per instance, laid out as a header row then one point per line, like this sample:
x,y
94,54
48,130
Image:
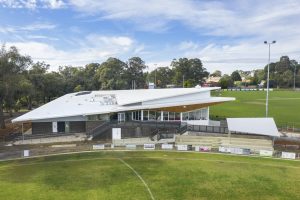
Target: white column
x,y
142,115
207,113
181,116
161,115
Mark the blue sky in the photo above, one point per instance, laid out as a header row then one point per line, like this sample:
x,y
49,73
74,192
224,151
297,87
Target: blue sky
x,y
226,35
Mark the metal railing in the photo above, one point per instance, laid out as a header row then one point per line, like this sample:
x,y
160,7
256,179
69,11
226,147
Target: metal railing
x,y
208,129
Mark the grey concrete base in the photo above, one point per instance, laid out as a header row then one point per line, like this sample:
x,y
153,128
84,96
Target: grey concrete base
x,y
69,138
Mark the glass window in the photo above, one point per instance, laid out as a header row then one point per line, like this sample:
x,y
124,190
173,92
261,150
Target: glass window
x,y
204,114
166,116
158,115
103,117
145,115
92,118
152,115
200,114
136,115
197,115
171,116
177,116
185,116
192,115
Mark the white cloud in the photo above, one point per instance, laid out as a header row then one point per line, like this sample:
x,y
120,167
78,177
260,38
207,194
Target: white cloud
x,y
236,29
93,48
232,18
53,4
239,27
29,28
32,4
244,55
42,37
154,65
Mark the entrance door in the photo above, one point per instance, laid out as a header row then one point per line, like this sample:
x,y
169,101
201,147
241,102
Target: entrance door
x,y
61,127
121,117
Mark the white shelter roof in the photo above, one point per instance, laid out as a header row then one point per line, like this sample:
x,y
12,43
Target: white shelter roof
x,y
108,101
257,126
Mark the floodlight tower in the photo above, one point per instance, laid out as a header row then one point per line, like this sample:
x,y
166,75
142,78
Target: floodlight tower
x,y
268,76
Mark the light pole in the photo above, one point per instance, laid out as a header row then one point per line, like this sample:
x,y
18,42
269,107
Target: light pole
x,y
294,76
268,76
155,76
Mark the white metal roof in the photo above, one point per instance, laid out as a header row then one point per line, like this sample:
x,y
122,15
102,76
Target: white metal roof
x,y
107,101
258,126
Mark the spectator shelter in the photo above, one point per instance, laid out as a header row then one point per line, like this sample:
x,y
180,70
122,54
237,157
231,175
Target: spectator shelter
x,y
253,126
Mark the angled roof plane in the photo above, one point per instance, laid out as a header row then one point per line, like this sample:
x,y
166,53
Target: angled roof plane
x,y
111,101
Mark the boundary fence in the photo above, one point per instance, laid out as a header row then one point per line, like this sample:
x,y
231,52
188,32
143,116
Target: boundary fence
x,y
16,152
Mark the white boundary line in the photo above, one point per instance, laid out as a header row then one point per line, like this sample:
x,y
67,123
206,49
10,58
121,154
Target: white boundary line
x,y
107,150
137,174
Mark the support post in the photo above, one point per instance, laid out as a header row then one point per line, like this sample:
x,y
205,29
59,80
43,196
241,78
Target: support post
x,y
22,133
229,135
142,115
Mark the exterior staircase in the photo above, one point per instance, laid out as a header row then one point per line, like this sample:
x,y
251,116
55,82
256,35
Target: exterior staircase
x,y
97,131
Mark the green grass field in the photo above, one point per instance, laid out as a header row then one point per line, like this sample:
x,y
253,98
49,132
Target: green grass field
x,y
284,106
169,175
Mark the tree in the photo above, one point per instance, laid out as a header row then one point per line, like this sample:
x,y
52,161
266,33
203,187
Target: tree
x,y
258,76
191,70
297,80
54,86
110,75
26,90
235,76
36,75
134,72
89,79
72,77
226,81
216,73
12,63
281,71
163,75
